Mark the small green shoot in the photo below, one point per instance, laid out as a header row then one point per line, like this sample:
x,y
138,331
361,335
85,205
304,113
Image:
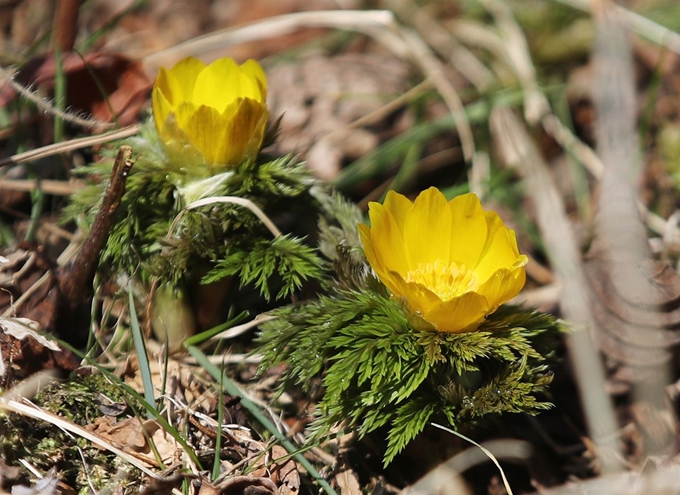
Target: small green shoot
x,y
144,368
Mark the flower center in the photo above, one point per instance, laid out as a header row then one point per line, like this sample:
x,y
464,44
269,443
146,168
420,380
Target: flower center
x,y
445,280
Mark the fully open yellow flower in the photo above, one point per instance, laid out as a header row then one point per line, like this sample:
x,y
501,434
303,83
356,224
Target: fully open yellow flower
x,y
451,261
218,109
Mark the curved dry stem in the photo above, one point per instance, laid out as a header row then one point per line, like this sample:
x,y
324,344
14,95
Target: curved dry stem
x,y
228,199
46,105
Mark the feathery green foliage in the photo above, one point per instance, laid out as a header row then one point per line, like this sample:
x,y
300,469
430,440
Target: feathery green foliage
x,y
222,238
284,256
382,367
378,370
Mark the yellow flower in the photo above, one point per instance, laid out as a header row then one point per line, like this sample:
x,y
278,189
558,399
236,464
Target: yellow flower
x,y
219,110
451,261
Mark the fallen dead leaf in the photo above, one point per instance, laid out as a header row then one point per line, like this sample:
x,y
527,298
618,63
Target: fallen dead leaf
x,y
45,486
131,436
281,469
238,485
104,86
22,328
347,483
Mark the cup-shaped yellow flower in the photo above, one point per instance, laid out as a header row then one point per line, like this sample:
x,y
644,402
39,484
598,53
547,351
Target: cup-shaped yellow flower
x,y
218,110
452,262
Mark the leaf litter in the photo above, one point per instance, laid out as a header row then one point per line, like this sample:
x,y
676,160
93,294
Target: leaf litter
x,y
190,395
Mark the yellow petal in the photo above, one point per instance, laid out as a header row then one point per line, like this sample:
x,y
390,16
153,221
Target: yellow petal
x,y
469,229
247,123
427,229
177,84
367,242
206,130
504,284
226,138
500,249
383,274
183,114
399,205
161,109
387,240
253,83
218,84
459,314
452,262
419,298
219,110
252,69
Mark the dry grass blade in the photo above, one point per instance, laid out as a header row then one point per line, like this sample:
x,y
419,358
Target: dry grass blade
x,y
517,50
636,23
620,245
30,410
520,152
55,187
361,21
661,482
66,146
47,106
246,203
30,387
446,479
461,58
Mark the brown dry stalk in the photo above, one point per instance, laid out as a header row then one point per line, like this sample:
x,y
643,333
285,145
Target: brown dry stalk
x,y
66,146
519,151
76,279
621,239
65,26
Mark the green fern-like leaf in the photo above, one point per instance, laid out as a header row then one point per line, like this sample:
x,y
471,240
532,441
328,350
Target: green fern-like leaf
x,y
284,257
411,418
225,238
374,364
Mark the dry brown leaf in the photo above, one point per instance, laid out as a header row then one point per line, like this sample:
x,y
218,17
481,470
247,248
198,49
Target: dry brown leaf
x,y
240,485
163,486
129,435
99,84
284,474
348,483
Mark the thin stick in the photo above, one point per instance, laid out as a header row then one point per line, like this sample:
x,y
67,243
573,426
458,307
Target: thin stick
x,y
76,279
55,187
74,144
65,25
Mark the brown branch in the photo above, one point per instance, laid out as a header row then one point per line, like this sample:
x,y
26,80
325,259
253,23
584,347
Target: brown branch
x,y
76,279
65,25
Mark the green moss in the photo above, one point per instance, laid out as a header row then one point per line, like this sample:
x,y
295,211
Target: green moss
x,y
47,447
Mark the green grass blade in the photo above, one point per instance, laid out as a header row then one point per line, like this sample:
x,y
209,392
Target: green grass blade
x,y
232,389
144,368
217,464
208,334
